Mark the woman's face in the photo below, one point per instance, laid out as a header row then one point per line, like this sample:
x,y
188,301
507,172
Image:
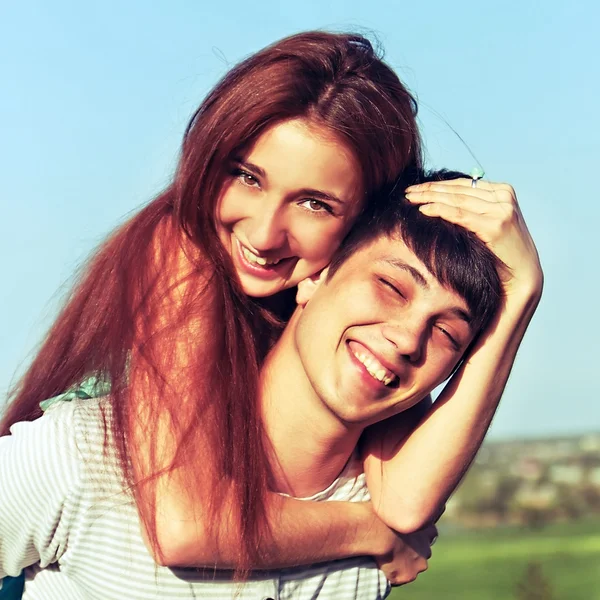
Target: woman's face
x,y
287,205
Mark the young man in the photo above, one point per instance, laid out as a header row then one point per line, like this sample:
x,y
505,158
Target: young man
x,y
373,335
399,308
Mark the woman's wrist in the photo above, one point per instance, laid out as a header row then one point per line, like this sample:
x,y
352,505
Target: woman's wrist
x,y
372,536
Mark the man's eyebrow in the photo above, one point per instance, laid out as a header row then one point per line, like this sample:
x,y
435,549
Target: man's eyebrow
x,y
463,315
319,194
415,273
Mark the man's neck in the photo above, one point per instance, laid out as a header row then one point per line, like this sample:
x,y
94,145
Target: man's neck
x,y
309,444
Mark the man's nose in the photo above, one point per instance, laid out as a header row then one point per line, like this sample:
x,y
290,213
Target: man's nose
x,y
409,339
267,229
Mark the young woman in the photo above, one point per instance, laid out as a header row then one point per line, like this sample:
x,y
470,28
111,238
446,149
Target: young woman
x,y
277,164
178,307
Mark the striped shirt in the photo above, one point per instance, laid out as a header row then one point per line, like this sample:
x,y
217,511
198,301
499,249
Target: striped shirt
x,y
66,517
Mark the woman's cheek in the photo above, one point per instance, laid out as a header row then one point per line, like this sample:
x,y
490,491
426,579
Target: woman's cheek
x,y
323,242
230,207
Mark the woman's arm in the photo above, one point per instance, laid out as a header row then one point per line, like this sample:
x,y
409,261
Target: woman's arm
x,y
303,533
410,475
39,485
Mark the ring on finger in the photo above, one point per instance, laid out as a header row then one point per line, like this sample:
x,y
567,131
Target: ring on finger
x,y
476,174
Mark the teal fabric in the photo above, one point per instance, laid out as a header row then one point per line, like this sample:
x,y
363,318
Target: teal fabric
x,y
92,387
12,588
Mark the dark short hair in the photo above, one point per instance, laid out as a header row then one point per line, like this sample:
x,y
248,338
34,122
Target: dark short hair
x,y
456,257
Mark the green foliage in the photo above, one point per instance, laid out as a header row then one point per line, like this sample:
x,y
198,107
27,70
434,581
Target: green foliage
x,y
531,482
488,564
534,585
535,517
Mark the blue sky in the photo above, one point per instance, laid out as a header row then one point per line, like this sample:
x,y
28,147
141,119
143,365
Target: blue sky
x,y
96,97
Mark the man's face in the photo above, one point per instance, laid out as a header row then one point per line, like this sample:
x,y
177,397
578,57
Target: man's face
x,y
381,334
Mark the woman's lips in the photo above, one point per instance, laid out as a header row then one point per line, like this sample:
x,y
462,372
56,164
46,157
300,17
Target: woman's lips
x,y
251,263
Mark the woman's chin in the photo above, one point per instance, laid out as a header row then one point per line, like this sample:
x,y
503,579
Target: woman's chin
x,y
268,283
262,289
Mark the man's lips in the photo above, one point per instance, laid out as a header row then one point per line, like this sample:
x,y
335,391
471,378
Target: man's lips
x,y
377,367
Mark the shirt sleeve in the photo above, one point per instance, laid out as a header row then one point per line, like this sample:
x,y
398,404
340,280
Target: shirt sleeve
x,y
39,481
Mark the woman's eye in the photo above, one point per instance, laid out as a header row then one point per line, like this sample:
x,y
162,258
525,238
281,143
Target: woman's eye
x,y
246,178
313,205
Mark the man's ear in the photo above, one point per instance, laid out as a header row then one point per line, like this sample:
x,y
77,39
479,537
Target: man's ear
x,y
307,287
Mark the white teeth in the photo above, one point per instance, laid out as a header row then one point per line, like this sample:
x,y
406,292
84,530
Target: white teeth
x,y
375,368
257,260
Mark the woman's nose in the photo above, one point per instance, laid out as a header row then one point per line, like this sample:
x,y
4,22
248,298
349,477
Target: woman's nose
x,y
267,228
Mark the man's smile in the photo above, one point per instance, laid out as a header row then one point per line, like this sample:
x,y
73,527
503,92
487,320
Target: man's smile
x,y
372,364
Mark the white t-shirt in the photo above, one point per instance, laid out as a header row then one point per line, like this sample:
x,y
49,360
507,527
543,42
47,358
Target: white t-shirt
x,y
66,518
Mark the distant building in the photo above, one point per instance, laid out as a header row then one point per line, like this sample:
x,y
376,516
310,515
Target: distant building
x,y
590,443
529,468
570,474
594,476
530,481
536,496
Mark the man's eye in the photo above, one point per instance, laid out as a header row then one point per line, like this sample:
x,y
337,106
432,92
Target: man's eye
x,y
446,333
316,206
392,287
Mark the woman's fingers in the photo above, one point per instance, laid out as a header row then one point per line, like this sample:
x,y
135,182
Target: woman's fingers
x,y
466,183
481,202
492,212
485,212
479,223
446,191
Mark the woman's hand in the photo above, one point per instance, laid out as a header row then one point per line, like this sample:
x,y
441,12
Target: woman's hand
x,y
492,212
400,556
408,556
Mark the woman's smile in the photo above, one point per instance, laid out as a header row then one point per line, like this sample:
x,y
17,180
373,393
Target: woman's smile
x,y
258,266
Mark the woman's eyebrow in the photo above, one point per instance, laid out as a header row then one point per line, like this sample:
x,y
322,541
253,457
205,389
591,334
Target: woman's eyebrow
x,y
251,167
320,194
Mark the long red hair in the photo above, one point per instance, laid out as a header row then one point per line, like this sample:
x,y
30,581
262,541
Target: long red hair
x,y
117,309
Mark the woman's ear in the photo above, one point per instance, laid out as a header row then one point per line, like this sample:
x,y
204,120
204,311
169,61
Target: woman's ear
x,y
307,287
